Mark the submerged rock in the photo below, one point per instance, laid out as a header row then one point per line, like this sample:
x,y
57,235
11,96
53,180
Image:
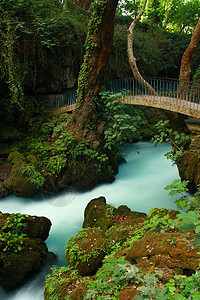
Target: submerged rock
x,y
22,247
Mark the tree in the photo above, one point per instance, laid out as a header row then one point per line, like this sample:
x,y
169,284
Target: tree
x,y
185,70
84,4
172,15
183,15
132,59
92,74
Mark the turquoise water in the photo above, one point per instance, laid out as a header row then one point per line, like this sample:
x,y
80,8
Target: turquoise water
x,y
139,185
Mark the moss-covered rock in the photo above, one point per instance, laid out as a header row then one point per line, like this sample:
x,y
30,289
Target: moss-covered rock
x,y
98,214
22,247
128,293
16,266
5,171
86,251
38,227
16,157
84,175
19,184
64,283
124,258
96,201
165,251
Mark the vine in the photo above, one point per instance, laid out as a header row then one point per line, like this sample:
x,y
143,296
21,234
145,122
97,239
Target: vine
x,y
13,78
93,27
29,31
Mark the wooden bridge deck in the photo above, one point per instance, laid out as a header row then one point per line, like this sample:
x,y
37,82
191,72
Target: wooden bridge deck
x,y
168,103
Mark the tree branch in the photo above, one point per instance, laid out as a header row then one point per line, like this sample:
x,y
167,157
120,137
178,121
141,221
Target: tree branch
x,y
132,59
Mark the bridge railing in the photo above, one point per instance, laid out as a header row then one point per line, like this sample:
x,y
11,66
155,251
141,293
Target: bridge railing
x,y
59,100
164,88
187,94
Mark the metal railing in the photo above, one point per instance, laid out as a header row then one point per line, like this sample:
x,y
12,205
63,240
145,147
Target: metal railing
x,y
165,89
52,101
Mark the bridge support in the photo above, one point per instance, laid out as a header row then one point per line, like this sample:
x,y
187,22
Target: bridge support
x,y
189,164
194,127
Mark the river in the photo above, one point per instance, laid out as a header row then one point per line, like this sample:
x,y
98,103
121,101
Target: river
x,y
139,185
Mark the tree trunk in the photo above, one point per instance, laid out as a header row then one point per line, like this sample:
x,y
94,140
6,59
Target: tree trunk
x,y
87,119
84,4
132,59
185,70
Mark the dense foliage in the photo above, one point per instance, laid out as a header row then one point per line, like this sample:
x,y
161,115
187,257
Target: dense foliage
x,y
30,33
173,15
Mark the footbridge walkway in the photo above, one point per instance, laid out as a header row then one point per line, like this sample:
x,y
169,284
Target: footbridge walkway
x,y
170,94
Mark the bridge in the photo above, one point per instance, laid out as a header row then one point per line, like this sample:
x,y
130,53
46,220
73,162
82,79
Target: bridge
x,y
170,94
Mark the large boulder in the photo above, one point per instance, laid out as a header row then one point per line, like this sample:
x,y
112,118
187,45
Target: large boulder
x,y
19,184
84,175
98,214
22,247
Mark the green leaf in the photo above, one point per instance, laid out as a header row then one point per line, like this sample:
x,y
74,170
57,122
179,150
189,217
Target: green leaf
x,y
197,229
190,217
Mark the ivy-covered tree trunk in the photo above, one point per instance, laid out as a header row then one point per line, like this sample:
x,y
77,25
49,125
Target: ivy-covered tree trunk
x,y
87,122
185,70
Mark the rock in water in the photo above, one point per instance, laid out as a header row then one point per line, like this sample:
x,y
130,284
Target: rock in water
x,y
22,247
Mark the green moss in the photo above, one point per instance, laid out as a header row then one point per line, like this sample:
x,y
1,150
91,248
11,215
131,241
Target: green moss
x,y
93,26
64,283
16,157
86,250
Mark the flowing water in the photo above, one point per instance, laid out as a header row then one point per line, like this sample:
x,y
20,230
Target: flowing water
x,y
139,185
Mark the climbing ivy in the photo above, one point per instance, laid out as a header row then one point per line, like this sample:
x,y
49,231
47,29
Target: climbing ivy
x,y
98,8
28,31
